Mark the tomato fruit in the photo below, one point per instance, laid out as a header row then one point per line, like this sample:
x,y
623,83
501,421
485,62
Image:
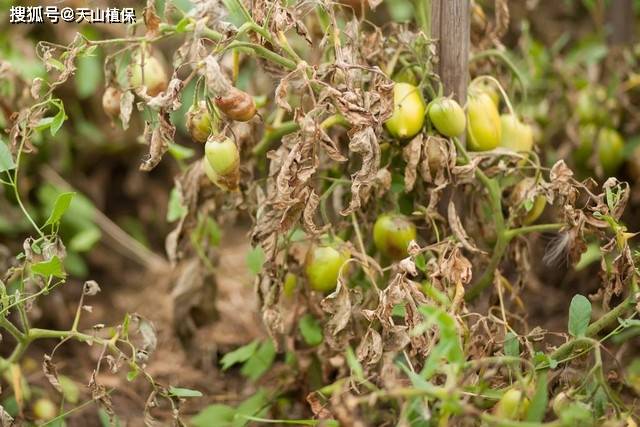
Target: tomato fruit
x,y
406,75
591,107
512,405
199,122
447,116
488,88
237,105
519,195
146,71
483,122
221,163
515,135
111,101
323,264
222,155
44,409
408,111
610,148
392,234
560,403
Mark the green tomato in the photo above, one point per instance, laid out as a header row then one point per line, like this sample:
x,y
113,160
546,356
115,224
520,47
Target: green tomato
x,y
146,70
610,148
590,107
222,155
483,122
392,234
512,405
323,264
408,111
519,195
447,116
44,409
516,136
199,122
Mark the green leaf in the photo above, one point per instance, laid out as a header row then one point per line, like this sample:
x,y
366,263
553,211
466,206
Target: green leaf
x,y
310,330
58,120
511,345
579,315
239,355
53,267
184,392
254,406
354,364
60,206
538,406
6,159
180,152
214,415
449,348
255,259
69,388
176,209
260,361
237,12
213,230
88,75
85,239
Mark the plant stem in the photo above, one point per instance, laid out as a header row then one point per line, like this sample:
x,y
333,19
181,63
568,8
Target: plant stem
x,y
533,228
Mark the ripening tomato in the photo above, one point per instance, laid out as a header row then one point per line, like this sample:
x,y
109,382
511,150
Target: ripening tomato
x,y
392,234
111,101
512,405
146,71
408,111
483,122
323,264
44,409
610,148
490,90
515,135
199,122
222,155
447,116
519,195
